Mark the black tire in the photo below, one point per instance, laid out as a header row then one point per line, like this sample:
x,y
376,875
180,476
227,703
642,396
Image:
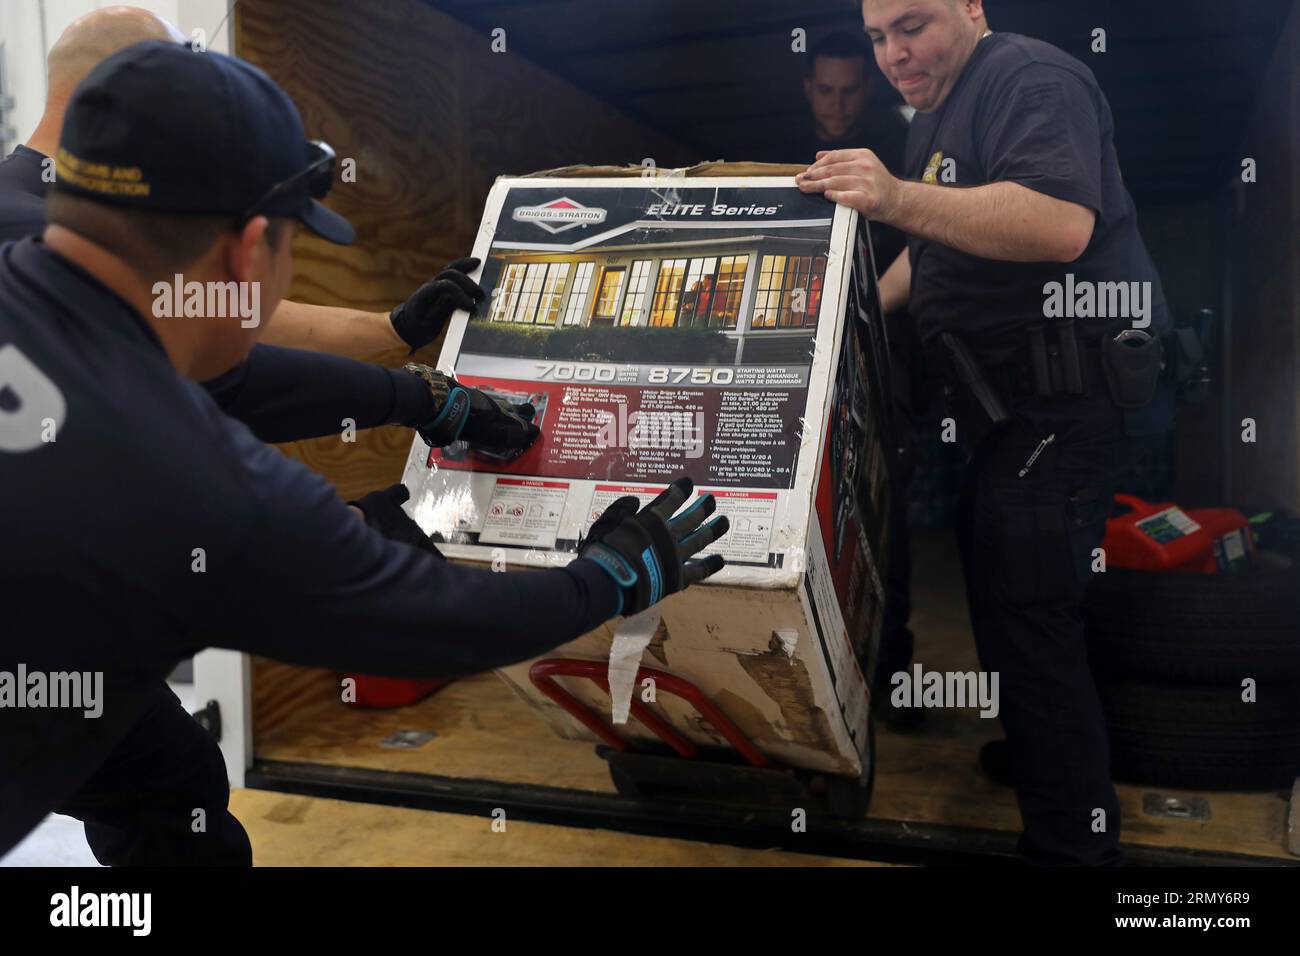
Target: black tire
x,y
849,798
1203,738
1195,627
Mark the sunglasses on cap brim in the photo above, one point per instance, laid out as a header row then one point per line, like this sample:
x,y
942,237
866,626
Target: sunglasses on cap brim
x,y
317,176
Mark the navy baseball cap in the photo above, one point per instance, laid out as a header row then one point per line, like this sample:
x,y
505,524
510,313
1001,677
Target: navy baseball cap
x,y
159,126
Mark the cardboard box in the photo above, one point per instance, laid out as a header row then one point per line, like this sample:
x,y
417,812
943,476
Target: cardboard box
x,y
721,326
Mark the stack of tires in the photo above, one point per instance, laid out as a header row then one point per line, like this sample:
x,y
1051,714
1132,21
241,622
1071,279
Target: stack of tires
x,y
1199,674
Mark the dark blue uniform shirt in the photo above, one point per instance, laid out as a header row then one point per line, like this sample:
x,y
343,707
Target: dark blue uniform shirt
x,y
1022,111
102,530
22,194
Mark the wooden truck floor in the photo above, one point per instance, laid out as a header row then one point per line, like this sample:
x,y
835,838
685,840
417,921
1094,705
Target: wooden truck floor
x,y
931,801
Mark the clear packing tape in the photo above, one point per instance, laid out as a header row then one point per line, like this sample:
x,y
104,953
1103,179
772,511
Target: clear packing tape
x,y
631,638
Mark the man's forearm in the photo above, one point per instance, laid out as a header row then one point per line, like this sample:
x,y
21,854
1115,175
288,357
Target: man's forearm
x,y
427,617
317,586
322,328
290,394
1004,221
896,284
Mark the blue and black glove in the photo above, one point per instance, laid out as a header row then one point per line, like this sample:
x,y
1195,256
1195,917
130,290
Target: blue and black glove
x,y
421,318
462,413
648,552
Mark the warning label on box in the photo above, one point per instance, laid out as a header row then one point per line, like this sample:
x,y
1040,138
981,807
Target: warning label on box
x,y
524,512
751,514
605,495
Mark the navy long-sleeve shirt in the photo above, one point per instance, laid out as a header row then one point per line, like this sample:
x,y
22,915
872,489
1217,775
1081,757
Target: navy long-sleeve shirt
x,y
286,394
154,525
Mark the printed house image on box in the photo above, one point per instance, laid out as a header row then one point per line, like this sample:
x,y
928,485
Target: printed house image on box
x,y
761,292
745,311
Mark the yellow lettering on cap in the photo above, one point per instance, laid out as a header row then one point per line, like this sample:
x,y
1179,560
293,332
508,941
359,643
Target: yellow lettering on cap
x,y
99,177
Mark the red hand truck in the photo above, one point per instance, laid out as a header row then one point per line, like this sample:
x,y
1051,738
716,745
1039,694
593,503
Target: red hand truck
x,y
692,775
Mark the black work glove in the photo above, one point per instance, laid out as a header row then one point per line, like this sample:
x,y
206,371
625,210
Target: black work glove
x,y
420,319
462,413
646,552
383,511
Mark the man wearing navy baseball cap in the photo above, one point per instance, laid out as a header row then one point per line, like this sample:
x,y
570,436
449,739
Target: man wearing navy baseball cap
x,y
163,151
143,523
129,144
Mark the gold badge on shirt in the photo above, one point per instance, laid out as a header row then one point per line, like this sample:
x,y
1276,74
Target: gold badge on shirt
x,y
932,169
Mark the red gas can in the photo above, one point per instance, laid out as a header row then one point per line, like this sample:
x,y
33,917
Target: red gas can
x,y
1164,537
388,692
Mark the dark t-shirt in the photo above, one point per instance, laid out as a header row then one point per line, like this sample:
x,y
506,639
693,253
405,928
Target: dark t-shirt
x,y
1022,111
22,194
99,531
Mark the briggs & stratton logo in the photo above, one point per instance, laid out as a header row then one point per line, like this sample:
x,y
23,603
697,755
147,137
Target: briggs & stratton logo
x,y
563,210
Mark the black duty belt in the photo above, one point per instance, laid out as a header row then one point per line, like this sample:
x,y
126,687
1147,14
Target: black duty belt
x,y
1054,374
1055,362
1016,378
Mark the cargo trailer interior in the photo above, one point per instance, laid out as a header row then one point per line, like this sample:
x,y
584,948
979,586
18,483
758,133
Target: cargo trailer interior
x,y
414,92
